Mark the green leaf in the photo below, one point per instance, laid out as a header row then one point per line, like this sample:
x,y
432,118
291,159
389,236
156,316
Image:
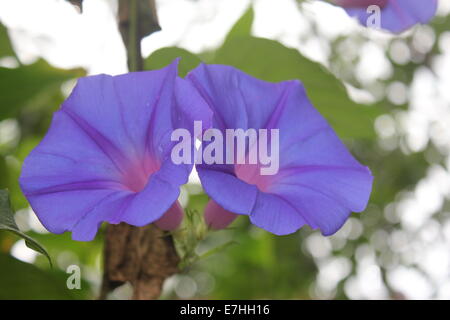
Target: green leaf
x,y
20,85
271,61
6,49
163,57
242,27
7,223
23,281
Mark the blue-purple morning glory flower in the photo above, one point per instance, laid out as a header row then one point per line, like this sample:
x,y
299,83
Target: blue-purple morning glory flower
x,y
106,156
395,15
318,183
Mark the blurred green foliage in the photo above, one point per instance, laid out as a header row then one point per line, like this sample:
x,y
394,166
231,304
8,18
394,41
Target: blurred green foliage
x,y
6,49
21,85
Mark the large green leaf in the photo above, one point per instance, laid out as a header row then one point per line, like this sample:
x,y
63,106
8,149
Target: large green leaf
x,y
20,280
20,85
7,223
162,57
243,27
271,61
5,44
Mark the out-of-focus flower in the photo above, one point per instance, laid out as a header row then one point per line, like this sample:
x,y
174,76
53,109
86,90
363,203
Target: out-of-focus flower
x,y
318,182
395,15
106,156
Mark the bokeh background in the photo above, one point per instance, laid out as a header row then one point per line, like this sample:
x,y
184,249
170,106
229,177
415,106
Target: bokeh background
x,y
387,96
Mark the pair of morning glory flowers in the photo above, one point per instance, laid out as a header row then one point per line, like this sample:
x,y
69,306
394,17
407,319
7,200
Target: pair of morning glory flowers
x,y
107,154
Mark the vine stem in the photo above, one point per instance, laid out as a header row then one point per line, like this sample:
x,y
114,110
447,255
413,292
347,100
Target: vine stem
x,y
134,45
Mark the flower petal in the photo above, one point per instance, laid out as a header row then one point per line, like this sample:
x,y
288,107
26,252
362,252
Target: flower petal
x,y
62,211
317,209
276,215
227,190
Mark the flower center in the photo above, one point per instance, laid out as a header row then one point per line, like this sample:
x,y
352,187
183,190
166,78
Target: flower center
x,y
138,173
250,173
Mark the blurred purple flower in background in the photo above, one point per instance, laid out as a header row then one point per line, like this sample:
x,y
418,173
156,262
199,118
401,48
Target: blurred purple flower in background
x,y
106,156
318,183
396,15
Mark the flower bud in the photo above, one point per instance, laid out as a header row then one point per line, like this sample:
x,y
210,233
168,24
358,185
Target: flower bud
x,y
216,217
171,220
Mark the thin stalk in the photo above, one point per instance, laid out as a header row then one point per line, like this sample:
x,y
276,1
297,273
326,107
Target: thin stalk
x,y
134,44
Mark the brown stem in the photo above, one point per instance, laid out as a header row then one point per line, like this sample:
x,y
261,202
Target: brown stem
x,y
137,19
142,256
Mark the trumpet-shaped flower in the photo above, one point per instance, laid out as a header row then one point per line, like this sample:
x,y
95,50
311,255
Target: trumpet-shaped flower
x,y
318,182
106,156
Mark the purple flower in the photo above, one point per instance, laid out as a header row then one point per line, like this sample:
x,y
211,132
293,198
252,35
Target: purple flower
x,y
318,182
396,15
106,156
